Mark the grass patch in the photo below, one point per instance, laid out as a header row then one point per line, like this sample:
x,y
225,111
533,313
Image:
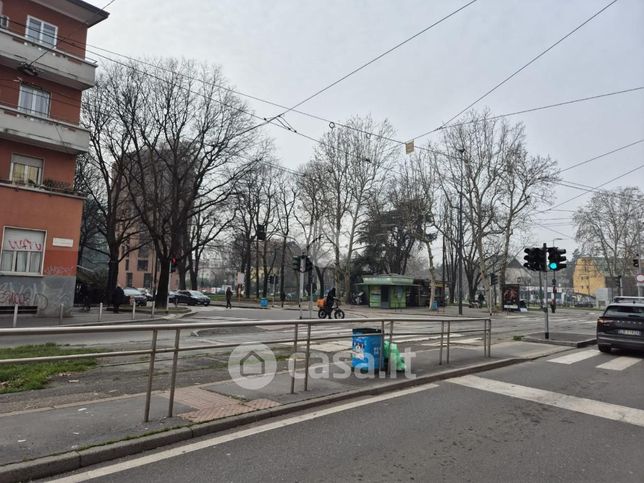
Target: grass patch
x,y
517,337
28,376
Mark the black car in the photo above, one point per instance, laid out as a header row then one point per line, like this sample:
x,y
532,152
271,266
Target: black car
x,y
191,297
621,326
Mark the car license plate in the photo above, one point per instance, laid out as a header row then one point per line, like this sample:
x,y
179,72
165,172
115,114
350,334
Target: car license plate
x,y
628,332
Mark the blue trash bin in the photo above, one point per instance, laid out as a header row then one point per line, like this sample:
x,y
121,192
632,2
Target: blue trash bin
x,y
263,302
365,350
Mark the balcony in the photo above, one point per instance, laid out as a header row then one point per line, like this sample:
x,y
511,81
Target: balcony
x,y
41,131
55,66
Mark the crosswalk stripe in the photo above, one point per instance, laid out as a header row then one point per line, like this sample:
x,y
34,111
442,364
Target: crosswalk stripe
x,y
619,363
575,357
572,403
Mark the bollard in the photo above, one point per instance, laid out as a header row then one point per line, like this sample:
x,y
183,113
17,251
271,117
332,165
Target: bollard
x,y
154,304
133,309
60,314
100,311
15,316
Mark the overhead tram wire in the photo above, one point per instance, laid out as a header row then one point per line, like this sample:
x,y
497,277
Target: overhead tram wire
x,y
378,57
595,188
266,121
548,106
520,69
602,155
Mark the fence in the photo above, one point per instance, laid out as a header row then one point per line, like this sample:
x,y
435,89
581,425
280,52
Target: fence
x,y
386,326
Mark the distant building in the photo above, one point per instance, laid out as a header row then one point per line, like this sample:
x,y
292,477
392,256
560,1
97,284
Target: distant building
x,y
592,278
43,72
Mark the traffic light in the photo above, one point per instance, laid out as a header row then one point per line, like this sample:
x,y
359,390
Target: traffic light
x,y
173,265
556,258
308,265
261,232
296,263
636,261
535,259
494,279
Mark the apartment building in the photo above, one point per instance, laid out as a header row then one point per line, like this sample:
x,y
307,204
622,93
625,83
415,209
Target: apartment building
x,y
43,73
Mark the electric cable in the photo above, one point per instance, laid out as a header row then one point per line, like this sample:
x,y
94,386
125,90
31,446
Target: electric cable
x,y
520,69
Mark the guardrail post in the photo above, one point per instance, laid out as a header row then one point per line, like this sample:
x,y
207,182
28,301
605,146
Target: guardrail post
x,y
148,393
440,351
100,311
391,337
133,309
154,304
173,377
381,365
449,329
15,316
489,335
60,314
294,359
308,357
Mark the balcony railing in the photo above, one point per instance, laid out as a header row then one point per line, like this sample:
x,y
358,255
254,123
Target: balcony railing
x,y
42,131
56,65
48,186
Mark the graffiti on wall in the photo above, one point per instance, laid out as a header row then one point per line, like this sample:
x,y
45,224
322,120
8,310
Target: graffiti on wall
x,y
59,270
47,293
24,244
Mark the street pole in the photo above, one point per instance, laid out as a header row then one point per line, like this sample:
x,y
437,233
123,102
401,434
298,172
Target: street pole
x,y
545,255
444,284
460,240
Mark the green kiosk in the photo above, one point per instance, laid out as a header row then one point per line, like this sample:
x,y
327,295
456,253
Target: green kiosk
x,y
387,291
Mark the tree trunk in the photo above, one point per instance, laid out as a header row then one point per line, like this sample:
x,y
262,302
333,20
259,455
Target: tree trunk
x,y
162,288
432,281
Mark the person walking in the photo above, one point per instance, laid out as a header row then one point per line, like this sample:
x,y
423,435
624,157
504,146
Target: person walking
x,y
229,298
117,298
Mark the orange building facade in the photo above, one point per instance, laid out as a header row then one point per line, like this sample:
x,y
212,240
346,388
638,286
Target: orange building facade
x,y
43,73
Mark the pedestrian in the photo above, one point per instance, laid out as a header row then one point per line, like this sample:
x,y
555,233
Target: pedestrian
x,y
481,299
229,298
117,298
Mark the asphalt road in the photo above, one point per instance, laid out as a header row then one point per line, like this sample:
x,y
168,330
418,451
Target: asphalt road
x,y
504,328
575,416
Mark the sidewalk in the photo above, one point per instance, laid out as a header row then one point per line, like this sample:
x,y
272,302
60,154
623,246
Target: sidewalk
x,y
80,434
87,318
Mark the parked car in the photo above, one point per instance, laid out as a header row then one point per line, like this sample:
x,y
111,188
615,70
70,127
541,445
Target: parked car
x,y
621,326
147,293
133,294
191,297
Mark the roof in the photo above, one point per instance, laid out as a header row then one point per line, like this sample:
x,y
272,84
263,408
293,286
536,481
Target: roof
x,y
389,279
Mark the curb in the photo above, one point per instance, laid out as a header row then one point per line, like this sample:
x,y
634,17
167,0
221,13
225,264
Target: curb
x,y
74,460
566,343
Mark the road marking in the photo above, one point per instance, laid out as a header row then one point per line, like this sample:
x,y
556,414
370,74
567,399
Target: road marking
x,y
575,357
563,401
619,363
217,440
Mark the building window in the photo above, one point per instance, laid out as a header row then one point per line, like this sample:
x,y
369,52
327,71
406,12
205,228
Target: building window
x,y
33,100
22,251
144,251
147,280
41,32
142,265
127,264
128,279
25,170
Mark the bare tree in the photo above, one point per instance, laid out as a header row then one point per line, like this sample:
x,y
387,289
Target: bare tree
x,y
610,226
186,137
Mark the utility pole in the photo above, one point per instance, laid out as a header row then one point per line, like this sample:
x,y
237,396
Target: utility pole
x,y
545,264
300,292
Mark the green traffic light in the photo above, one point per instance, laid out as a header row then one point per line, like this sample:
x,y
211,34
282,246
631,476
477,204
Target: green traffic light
x,y
553,266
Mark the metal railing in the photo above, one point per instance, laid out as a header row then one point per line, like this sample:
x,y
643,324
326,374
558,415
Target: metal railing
x,y
444,336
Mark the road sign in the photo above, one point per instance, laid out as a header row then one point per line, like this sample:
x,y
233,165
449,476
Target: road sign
x,y
640,277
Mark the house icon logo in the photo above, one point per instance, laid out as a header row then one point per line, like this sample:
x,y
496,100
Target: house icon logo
x,y
252,366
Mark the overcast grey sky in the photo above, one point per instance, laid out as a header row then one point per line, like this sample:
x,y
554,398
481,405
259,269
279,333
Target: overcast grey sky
x,y
285,50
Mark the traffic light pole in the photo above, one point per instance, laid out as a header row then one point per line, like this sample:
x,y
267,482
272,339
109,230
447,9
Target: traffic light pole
x,y
545,308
